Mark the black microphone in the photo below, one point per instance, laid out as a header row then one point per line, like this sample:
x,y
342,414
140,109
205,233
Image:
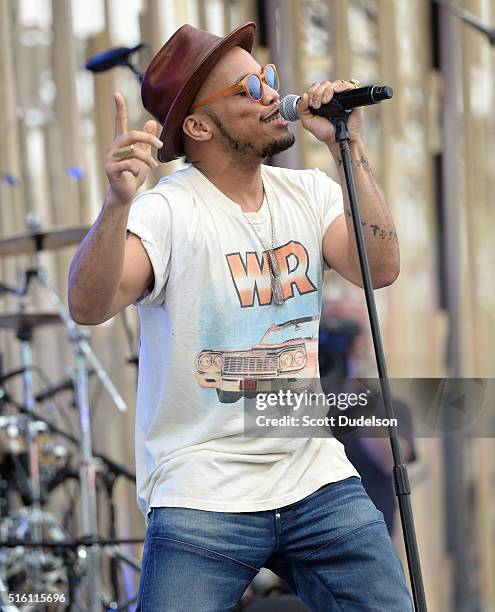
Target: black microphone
x,y
119,56
343,101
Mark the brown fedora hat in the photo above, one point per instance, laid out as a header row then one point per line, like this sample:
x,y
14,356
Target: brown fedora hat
x,y
176,74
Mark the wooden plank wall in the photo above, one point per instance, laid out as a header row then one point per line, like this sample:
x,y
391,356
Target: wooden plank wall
x,y
390,41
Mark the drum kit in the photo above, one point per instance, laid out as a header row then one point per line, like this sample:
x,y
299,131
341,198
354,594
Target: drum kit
x,y
37,553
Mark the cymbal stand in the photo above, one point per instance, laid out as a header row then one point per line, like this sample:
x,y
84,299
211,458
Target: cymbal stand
x,y
83,352
25,335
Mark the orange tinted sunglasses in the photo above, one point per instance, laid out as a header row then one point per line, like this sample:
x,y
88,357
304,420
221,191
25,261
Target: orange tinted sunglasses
x,y
251,83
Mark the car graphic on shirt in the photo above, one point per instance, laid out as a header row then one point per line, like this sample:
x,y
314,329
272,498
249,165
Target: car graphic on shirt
x,y
286,352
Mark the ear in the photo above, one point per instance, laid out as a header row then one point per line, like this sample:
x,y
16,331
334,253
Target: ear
x,y
197,127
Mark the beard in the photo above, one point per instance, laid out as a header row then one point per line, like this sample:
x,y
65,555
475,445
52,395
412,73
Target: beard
x,y
248,148
279,145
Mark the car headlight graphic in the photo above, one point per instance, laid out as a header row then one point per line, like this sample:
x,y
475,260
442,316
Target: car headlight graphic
x,y
299,358
209,361
292,360
204,361
217,361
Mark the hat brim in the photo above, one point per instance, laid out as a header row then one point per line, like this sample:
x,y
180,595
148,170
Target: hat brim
x,y
171,134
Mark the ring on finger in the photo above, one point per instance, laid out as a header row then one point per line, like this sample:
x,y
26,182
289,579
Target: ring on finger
x,y
123,152
355,82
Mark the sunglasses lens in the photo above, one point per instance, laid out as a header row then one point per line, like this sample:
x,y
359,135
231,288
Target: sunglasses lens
x,y
271,77
254,87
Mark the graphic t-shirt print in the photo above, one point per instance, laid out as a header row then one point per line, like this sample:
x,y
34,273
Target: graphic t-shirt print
x,y
251,277
285,349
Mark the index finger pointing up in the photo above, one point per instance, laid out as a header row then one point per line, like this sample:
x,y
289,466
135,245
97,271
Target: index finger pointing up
x,y
120,114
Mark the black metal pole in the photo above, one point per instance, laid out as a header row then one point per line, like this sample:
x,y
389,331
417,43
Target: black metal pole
x,y
109,482
402,488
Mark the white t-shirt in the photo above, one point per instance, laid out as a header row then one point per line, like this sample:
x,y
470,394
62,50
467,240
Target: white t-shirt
x,y
206,325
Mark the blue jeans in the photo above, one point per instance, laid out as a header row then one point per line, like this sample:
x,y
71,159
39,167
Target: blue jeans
x,y
332,548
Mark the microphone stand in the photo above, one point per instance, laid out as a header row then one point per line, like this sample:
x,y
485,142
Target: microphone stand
x,y
469,18
401,480
115,57
135,70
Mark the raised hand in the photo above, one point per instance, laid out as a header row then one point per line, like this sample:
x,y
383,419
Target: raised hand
x,y
321,93
128,159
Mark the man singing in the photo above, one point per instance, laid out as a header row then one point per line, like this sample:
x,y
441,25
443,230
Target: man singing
x,y
225,261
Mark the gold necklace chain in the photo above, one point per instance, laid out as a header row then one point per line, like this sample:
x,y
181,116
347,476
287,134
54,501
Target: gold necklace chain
x,y
273,267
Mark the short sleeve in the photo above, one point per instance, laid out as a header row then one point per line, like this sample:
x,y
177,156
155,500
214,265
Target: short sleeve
x,y
150,219
328,195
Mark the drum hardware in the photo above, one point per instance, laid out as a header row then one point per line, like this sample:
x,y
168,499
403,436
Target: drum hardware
x,y
73,551
66,384
109,479
113,466
74,543
33,242
76,334
83,353
16,562
10,375
124,605
24,324
11,440
53,456
38,240
75,559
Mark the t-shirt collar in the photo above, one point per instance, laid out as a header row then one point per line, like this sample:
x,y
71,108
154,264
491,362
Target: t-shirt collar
x,y
206,188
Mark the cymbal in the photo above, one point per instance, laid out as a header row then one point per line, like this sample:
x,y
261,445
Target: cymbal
x,y
27,321
42,240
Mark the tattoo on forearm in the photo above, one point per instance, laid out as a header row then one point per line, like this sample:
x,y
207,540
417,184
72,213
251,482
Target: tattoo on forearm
x,y
376,229
362,162
383,233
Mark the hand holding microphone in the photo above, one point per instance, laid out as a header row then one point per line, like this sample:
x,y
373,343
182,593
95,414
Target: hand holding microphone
x,y
325,100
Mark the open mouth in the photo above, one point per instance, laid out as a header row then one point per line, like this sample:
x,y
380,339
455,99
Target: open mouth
x,y
273,118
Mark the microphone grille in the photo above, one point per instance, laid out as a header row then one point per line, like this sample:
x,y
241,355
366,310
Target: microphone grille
x,y
287,107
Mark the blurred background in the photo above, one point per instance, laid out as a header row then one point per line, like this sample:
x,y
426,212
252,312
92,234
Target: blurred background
x,y
431,148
